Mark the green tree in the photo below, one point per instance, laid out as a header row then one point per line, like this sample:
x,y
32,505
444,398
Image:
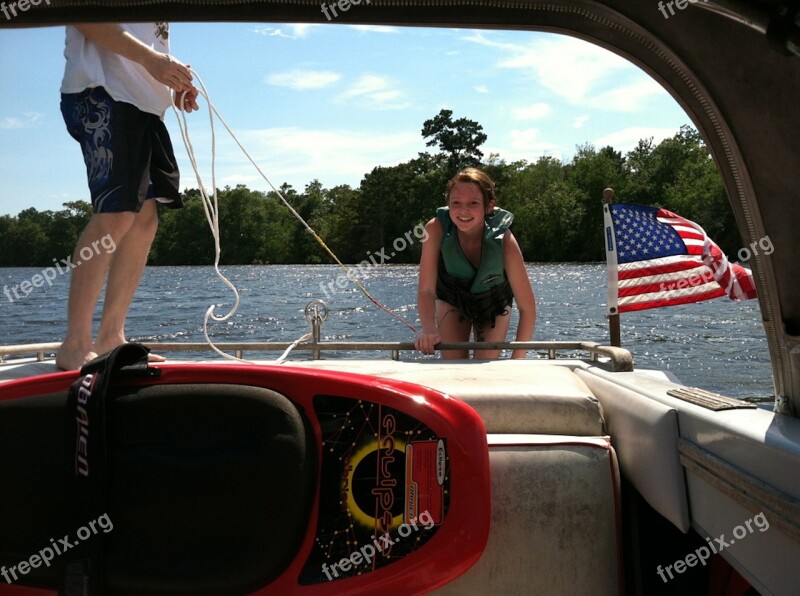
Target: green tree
x,y
459,139
680,175
557,206
430,178
8,255
315,207
65,226
346,221
642,185
184,235
545,205
590,173
527,181
280,234
696,190
29,238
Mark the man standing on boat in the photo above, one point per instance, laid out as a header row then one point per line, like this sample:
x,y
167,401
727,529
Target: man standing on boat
x,y
116,88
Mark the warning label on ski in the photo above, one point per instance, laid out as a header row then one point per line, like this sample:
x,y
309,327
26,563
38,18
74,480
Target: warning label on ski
x,y
425,473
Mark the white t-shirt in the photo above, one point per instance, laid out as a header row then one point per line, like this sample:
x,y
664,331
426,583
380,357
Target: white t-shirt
x,y
89,65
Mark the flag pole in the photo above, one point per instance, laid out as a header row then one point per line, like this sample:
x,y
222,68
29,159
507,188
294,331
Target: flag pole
x,y
613,314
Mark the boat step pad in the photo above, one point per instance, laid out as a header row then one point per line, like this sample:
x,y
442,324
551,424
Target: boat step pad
x,y
709,400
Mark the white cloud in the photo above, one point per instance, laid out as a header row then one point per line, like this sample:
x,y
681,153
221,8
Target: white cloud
x,y
303,79
27,120
374,92
297,156
579,121
481,89
375,28
533,112
480,38
628,98
528,141
580,72
293,30
626,139
569,68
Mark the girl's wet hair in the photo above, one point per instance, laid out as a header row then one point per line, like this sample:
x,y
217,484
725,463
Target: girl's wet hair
x,y
473,176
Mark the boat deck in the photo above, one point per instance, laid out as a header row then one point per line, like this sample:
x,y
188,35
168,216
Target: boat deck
x,y
22,361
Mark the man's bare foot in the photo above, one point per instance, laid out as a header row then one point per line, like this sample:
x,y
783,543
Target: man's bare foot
x,y
73,357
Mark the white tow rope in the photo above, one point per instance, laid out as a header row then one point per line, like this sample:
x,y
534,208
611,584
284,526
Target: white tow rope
x,y
211,208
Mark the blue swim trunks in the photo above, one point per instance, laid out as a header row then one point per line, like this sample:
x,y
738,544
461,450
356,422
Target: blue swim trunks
x,y
128,153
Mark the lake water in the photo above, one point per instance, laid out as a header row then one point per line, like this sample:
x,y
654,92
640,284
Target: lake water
x,y
717,345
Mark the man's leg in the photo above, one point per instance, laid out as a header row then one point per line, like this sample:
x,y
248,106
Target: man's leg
x,y
86,281
127,265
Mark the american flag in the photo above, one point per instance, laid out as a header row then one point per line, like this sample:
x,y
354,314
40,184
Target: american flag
x,y
657,258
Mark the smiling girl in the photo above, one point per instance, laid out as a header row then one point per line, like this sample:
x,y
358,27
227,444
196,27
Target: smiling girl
x,y
470,272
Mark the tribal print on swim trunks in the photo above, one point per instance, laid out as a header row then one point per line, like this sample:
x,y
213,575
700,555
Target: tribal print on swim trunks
x,y
90,124
127,152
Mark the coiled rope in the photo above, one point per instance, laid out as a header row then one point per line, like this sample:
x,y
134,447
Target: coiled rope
x,y
211,208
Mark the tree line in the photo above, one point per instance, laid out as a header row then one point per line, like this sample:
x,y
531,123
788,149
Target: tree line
x,y
557,206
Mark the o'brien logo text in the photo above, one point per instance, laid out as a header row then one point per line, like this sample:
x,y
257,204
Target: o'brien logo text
x,y
82,420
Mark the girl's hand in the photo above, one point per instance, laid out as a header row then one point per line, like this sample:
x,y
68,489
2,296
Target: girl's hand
x,y
425,342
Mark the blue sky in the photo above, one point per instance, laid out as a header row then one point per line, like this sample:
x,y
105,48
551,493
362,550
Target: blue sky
x,y
330,102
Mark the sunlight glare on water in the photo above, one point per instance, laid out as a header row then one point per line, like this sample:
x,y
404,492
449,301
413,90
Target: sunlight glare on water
x,y
718,345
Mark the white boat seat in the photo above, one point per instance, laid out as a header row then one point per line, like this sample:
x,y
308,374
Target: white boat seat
x,y
548,400
511,396
555,519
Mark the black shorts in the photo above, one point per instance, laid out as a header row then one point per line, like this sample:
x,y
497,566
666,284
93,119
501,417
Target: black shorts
x,y
128,153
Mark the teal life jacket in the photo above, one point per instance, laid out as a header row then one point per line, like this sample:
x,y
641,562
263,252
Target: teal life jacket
x,y
490,272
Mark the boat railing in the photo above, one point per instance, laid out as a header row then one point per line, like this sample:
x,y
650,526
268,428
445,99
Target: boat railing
x,y
620,359
316,312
